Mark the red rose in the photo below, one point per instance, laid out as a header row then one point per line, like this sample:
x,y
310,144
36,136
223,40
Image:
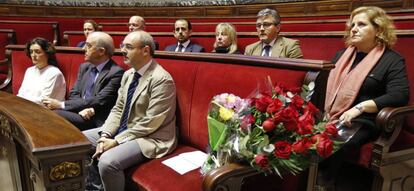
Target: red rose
x,y
304,128
307,117
262,161
305,124
247,121
262,103
287,114
297,101
311,108
268,125
325,147
283,149
319,137
331,130
302,146
274,106
291,125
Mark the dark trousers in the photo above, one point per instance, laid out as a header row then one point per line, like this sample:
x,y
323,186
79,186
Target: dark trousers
x,y
76,119
328,169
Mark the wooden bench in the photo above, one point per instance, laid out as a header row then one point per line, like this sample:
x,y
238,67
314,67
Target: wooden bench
x,y
198,78
297,25
315,45
7,36
27,30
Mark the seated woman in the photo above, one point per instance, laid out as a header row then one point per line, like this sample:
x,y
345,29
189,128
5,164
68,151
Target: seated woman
x,y
226,39
368,76
89,26
43,79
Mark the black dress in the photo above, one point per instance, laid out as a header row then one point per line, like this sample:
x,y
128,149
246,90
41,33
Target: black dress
x,y
387,85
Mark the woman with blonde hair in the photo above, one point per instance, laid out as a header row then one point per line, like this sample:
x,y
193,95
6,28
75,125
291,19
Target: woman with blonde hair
x,y
226,39
368,76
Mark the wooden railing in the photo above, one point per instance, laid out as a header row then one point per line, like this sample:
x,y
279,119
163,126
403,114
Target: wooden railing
x,y
39,149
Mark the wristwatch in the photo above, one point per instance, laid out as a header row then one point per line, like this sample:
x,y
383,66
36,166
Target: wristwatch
x,y
359,108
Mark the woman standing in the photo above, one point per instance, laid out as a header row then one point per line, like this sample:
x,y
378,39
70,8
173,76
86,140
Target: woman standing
x,y
368,76
43,79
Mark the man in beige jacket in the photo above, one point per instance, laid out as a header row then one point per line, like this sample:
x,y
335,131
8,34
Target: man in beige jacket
x,y
141,125
271,44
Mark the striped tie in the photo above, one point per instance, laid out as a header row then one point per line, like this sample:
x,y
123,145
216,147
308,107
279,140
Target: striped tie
x,y
125,113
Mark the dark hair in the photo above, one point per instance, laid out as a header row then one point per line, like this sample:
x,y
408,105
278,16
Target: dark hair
x,y
93,23
45,46
188,23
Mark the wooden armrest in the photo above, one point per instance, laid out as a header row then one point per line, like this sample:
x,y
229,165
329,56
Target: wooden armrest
x,y
387,117
228,177
390,120
7,81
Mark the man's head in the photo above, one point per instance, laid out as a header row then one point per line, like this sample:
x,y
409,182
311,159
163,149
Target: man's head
x,y
268,25
138,49
182,30
99,47
136,23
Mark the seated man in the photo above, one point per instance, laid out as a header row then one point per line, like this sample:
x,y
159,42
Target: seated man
x,y
141,125
95,90
271,44
182,32
137,23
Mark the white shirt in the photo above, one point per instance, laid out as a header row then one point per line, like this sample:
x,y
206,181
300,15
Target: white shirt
x,y
185,44
41,83
271,44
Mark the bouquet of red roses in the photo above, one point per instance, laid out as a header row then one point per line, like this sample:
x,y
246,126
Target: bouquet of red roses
x,y
279,132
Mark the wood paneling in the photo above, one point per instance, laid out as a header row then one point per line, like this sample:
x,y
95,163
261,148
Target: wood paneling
x,y
317,7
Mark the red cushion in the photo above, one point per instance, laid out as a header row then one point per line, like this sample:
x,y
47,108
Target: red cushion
x,y
155,176
183,74
27,31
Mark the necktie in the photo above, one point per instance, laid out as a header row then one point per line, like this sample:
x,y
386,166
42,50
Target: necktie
x,y
91,83
266,50
125,113
180,48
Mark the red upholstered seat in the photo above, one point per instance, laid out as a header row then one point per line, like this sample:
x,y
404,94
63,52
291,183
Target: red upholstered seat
x,y
155,176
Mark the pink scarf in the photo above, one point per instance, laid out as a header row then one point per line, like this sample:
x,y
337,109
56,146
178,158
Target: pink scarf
x,y
344,85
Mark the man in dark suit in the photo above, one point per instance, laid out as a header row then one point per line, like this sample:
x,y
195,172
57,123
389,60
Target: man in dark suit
x,y
182,32
95,91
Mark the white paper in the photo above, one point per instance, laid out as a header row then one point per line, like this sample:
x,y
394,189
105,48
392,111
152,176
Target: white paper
x,y
186,162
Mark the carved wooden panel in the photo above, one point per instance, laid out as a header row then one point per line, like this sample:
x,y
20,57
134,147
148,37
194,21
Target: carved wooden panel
x,y
320,7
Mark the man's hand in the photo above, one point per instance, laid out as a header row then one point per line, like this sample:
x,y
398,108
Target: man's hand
x,y
87,113
104,144
52,103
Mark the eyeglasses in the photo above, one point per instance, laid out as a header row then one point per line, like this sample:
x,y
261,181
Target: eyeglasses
x,y
264,25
